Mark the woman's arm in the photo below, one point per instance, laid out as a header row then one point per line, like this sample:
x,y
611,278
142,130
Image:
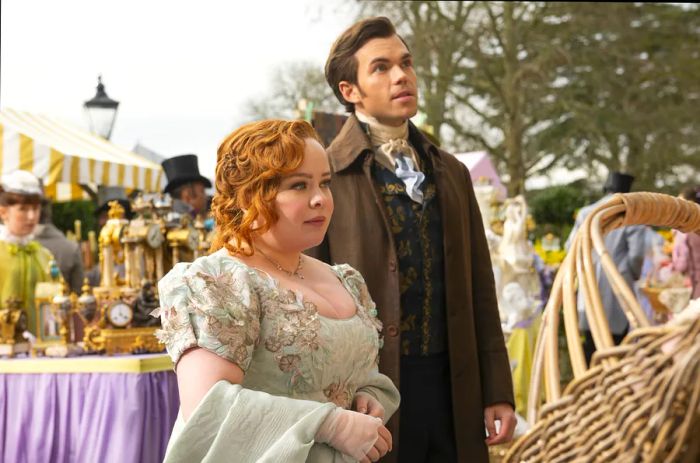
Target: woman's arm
x,y
351,433
197,371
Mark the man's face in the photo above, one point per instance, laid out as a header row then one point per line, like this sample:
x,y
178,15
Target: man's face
x,y
196,197
386,82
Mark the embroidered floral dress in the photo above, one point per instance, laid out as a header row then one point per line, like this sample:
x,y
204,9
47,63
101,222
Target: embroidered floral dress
x,y
281,342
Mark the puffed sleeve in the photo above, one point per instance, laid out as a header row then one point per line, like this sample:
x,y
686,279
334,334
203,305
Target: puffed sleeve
x,y
209,304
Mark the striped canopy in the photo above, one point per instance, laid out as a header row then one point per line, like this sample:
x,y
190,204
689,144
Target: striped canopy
x,y
63,155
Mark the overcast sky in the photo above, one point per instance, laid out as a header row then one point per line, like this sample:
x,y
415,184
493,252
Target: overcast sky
x,y
181,70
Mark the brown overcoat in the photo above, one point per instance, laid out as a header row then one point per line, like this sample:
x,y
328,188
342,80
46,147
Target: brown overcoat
x,y
359,234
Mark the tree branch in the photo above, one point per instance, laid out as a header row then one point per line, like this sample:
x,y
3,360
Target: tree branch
x,y
494,25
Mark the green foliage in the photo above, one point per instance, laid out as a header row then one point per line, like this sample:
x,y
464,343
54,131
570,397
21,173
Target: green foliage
x,y
554,209
66,213
632,91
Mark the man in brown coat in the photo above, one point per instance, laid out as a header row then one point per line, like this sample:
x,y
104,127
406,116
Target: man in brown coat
x,y
406,217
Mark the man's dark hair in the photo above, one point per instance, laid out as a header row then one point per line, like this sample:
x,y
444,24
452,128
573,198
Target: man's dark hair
x,y
341,64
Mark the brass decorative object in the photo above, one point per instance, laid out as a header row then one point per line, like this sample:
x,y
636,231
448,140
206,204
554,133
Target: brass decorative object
x,y
143,242
111,332
183,240
111,252
55,308
138,245
129,341
114,317
204,238
12,325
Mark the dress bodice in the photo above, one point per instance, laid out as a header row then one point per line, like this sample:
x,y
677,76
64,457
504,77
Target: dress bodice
x,y
277,337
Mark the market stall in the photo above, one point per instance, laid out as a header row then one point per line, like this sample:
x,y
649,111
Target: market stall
x,y
87,409
97,407
64,157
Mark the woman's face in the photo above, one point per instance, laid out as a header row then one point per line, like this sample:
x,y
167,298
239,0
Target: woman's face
x,y
304,203
20,219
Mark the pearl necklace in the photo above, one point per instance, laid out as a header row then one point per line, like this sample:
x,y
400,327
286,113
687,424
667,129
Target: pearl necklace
x,y
295,273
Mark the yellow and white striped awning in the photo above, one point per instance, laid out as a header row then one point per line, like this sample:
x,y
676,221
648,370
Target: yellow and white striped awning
x,y
59,154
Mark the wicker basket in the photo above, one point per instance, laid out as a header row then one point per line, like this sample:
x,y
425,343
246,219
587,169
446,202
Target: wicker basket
x,y
641,400
652,295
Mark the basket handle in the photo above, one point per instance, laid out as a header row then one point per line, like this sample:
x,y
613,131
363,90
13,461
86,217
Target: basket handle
x,y
621,210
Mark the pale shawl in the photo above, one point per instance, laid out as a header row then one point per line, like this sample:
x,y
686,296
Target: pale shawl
x,y
236,424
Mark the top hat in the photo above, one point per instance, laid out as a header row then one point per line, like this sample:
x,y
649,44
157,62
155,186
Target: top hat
x,y
182,169
618,182
105,194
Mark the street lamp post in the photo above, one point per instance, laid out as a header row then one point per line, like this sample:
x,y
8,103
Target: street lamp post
x,y
101,111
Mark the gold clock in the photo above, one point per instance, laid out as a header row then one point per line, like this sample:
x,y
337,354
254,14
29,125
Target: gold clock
x,y
120,314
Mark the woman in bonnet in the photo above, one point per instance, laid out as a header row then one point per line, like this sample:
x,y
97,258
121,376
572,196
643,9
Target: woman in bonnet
x,y
25,262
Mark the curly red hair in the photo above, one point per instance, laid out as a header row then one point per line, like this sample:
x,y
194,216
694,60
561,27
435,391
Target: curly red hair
x,y
250,163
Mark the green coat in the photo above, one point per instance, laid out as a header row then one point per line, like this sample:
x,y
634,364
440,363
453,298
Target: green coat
x,y
21,268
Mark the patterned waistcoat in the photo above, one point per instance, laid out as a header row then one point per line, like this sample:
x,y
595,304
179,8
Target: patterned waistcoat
x,y
417,231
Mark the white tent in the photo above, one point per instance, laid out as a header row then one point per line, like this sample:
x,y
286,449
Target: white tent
x,y
480,165
64,156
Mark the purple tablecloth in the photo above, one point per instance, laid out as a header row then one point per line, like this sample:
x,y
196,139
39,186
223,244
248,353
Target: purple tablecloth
x,y
86,417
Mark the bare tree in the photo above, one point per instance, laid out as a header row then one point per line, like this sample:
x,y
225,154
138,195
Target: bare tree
x,y
539,84
486,75
292,83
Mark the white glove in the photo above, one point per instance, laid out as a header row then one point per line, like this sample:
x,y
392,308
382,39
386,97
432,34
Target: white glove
x,y
349,432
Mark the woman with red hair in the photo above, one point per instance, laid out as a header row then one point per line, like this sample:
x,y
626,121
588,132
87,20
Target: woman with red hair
x,y
275,352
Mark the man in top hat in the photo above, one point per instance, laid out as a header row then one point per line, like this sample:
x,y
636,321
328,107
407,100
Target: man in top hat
x,y
107,194
186,185
627,247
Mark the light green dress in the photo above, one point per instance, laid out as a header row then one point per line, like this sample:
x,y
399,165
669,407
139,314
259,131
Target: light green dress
x,y
23,266
281,342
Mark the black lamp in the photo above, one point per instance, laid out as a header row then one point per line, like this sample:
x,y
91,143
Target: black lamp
x,y
101,111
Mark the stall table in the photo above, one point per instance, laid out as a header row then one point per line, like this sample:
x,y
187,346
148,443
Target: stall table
x,y
87,409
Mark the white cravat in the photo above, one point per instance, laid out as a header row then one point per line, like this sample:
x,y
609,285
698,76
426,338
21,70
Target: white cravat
x,y
401,151
392,143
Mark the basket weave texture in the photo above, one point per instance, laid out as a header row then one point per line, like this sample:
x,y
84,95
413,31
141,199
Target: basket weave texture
x,y
638,401
643,407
